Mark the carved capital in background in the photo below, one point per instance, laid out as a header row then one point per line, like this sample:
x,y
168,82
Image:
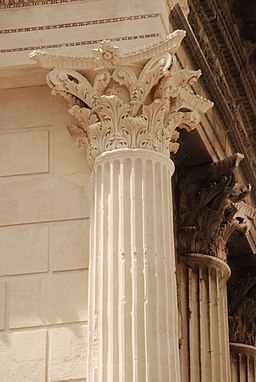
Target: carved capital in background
x,y
133,100
211,207
242,309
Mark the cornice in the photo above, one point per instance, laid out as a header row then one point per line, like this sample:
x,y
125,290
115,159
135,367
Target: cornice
x,y
240,135
245,13
223,26
232,62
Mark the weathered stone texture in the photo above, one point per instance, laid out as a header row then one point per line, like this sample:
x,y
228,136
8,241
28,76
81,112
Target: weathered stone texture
x,y
24,146
41,300
23,250
44,227
22,356
2,304
43,199
68,353
70,245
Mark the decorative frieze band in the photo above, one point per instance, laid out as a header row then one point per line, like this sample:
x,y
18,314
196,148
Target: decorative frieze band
x,y
80,23
78,43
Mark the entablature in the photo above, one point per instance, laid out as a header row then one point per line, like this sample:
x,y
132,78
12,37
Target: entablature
x,y
213,45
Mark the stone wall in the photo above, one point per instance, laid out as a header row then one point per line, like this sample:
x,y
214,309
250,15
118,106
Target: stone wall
x,y
44,229
45,182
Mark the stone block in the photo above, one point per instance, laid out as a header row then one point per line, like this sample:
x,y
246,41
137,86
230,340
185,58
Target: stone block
x,y
23,250
67,157
24,153
48,299
22,356
40,199
70,245
68,353
27,99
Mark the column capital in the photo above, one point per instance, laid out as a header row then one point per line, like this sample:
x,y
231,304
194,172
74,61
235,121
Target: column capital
x,y
127,100
242,310
212,207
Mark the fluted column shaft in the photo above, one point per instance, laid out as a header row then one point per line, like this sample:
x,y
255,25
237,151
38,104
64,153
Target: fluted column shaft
x,y
243,362
133,334
204,344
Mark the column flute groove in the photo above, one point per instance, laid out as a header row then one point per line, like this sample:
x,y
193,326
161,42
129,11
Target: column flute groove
x,y
242,313
210,209
204,315
134,253
243,362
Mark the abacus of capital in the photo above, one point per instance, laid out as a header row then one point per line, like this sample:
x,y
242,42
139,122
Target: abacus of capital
x,y
127,108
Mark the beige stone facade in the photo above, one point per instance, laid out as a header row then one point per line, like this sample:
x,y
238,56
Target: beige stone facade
x,y
44,242
115,256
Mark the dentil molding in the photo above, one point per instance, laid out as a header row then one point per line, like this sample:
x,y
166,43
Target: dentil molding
x,y
127,100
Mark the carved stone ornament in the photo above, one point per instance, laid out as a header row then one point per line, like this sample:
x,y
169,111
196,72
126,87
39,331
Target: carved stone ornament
x,y
242,310
182,3
133,100
211,207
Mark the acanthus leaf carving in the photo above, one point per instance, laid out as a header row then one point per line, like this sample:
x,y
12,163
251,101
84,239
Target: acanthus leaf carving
x,y
211,208
126,76
242,309
135,106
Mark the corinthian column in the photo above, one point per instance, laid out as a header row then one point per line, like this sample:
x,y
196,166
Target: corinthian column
x,y
204,344
243,362
242,318
211,208
128,107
